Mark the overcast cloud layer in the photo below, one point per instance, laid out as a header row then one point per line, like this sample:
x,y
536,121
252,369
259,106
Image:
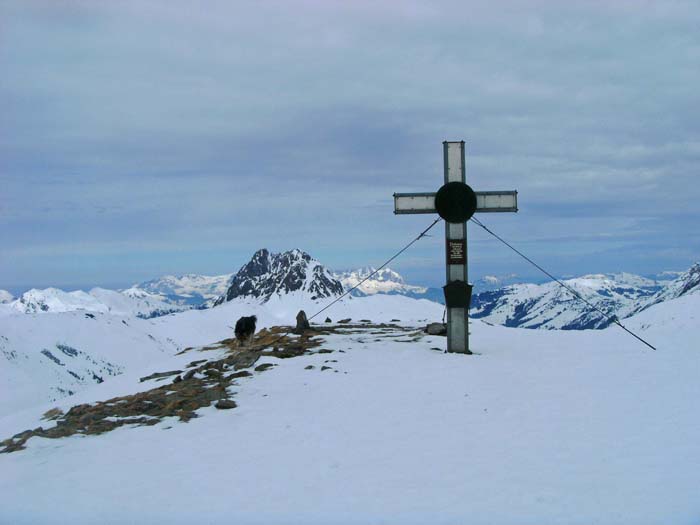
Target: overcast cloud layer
x,y
140,138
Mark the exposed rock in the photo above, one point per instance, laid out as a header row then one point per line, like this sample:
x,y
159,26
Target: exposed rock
x,y
263,367
436,329
289,351
225,404
160,374
345,321
310,367
302,323
52,414
328,320
325,368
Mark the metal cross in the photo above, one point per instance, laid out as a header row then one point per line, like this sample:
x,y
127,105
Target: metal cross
x,y
456,203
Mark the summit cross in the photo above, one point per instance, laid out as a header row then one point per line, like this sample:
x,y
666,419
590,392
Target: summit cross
x,y
456,202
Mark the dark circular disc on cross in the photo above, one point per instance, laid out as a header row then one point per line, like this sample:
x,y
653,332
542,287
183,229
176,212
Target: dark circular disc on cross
x,y
455,202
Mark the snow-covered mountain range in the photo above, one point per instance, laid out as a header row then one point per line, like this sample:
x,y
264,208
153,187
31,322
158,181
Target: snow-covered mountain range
x,y
550,306
279,275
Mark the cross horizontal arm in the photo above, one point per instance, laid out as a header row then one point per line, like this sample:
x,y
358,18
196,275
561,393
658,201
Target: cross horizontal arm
x,y
496,201
486,201
414,203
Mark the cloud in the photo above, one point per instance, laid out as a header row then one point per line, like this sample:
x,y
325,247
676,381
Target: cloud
x,y
163,128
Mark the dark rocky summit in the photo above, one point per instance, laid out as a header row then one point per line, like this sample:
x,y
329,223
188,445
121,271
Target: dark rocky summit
x,y
267,274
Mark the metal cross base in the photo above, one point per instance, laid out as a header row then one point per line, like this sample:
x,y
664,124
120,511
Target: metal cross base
x,y
456,202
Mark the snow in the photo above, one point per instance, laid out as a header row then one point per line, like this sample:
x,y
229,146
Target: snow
x,y
539,427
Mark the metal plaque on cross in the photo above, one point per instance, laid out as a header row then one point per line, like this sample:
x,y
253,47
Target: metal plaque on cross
x,y
456,202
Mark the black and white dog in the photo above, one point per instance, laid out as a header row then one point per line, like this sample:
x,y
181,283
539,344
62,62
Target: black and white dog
x,y
245,329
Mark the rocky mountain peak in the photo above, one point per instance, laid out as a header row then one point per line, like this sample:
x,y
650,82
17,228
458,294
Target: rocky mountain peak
x,y
267,274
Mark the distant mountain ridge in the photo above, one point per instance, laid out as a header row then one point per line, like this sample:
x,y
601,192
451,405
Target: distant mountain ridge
x,y
188,289
550,306
97,300
5,297
385,281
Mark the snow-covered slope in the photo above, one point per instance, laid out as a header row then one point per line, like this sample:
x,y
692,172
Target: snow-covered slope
x,y
385,281
557,426
269,274
552,307
189,289
98,300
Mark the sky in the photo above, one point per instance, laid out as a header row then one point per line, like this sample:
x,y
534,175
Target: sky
x,y
143,138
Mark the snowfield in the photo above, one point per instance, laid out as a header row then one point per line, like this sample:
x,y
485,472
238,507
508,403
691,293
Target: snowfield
x,y
540,427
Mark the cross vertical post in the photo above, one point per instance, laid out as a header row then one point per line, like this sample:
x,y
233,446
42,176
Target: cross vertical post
x,y
456,242
456,202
